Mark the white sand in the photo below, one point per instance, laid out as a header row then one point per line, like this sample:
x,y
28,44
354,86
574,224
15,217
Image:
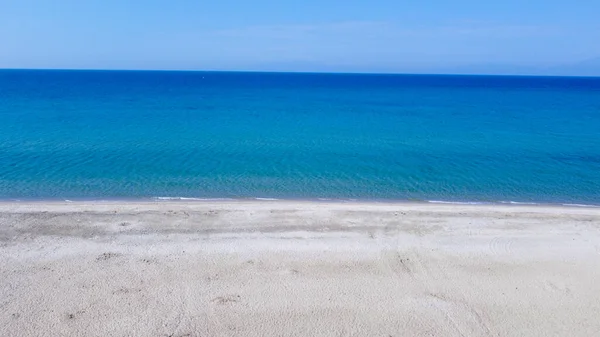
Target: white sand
x,y
298,269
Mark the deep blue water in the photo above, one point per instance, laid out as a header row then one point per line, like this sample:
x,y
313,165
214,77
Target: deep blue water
x,y
119,134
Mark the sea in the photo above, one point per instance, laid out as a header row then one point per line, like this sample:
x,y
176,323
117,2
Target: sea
x,y
166,135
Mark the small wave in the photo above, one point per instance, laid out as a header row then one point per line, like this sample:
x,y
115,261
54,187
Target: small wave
x,y
456,202
190,199
266,199
518,203
580,205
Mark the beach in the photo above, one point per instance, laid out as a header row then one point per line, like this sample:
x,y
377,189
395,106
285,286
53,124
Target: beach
x,y
298,268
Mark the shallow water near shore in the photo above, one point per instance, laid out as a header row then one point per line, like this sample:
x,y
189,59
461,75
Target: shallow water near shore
x,y
131,135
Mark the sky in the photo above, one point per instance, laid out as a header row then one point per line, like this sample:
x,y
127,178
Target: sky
x,y
538,37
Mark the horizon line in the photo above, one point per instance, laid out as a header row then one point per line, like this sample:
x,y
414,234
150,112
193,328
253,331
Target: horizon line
x,y
297,72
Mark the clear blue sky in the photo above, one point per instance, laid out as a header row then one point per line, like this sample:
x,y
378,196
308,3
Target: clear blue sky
x,y
461,36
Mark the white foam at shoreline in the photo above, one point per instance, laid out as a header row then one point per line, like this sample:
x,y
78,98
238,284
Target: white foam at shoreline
x,y
456,202
341,200
190,199
580,205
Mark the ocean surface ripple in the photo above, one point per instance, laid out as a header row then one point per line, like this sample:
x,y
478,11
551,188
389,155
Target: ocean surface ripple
x,y
207,135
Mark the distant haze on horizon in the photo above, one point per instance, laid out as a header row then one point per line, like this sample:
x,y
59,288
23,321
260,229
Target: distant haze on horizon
x,y
551,37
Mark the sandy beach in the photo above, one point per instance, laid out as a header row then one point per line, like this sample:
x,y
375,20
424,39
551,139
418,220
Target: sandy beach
x,y
292,268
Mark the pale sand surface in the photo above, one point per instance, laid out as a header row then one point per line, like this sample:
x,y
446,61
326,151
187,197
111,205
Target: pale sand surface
x,y
298,269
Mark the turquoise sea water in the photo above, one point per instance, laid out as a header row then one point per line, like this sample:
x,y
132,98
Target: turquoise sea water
x,y
110,134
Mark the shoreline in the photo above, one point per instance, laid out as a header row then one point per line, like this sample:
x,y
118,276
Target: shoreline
x,y
192,200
